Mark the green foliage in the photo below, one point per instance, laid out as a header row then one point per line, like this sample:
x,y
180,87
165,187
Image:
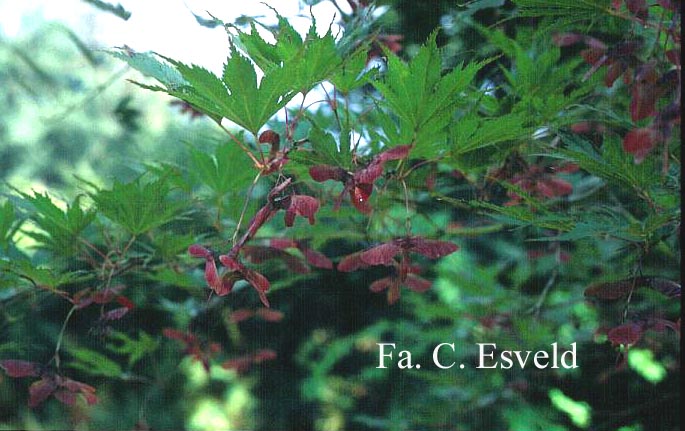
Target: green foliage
x,y
94,363
422,99
60,229
138,206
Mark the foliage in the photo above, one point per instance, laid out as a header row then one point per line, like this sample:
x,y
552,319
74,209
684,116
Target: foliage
x,y
525,197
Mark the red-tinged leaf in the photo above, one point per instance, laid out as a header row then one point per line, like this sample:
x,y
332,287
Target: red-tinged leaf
x,y
303,206
107,295
175,334
369,174
359,195
383,254
240,364
616,4
627,334
639,142
432,249
269,315
259,254
227,282
196,250
397,153
660,325
382,284
39,391
669,4
231,263
611,290
212,276
257,280
126,302
637,8
317,259
17,368
262,355
351,263
263,215
593,56
115,314
664,286
552,187
82,298
417,284
566,39
282,243
270,137
643,101
321,173
614,71
568,168
240,315
263,298
66,397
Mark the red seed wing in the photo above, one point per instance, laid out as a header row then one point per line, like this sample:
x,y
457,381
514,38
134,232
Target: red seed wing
x,y
383,254
417,284
17,368
432,249
39,391
351,262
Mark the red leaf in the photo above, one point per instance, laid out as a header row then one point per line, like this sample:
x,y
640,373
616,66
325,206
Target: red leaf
x,y
417,284
382,284
240,364
614,71
432,249
231,263
240,315
351,263
628,334
321,173
175,334
304,206
669,4
257,280
383,254
369,174
396,153
39,391
269,315
196,250
270,137
262,355
126,302
359,195
212,277
115,314
643,102
664,286
611,290
566,39
552,187
317,259
17,368
637,8
282,243
66,397
639,142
